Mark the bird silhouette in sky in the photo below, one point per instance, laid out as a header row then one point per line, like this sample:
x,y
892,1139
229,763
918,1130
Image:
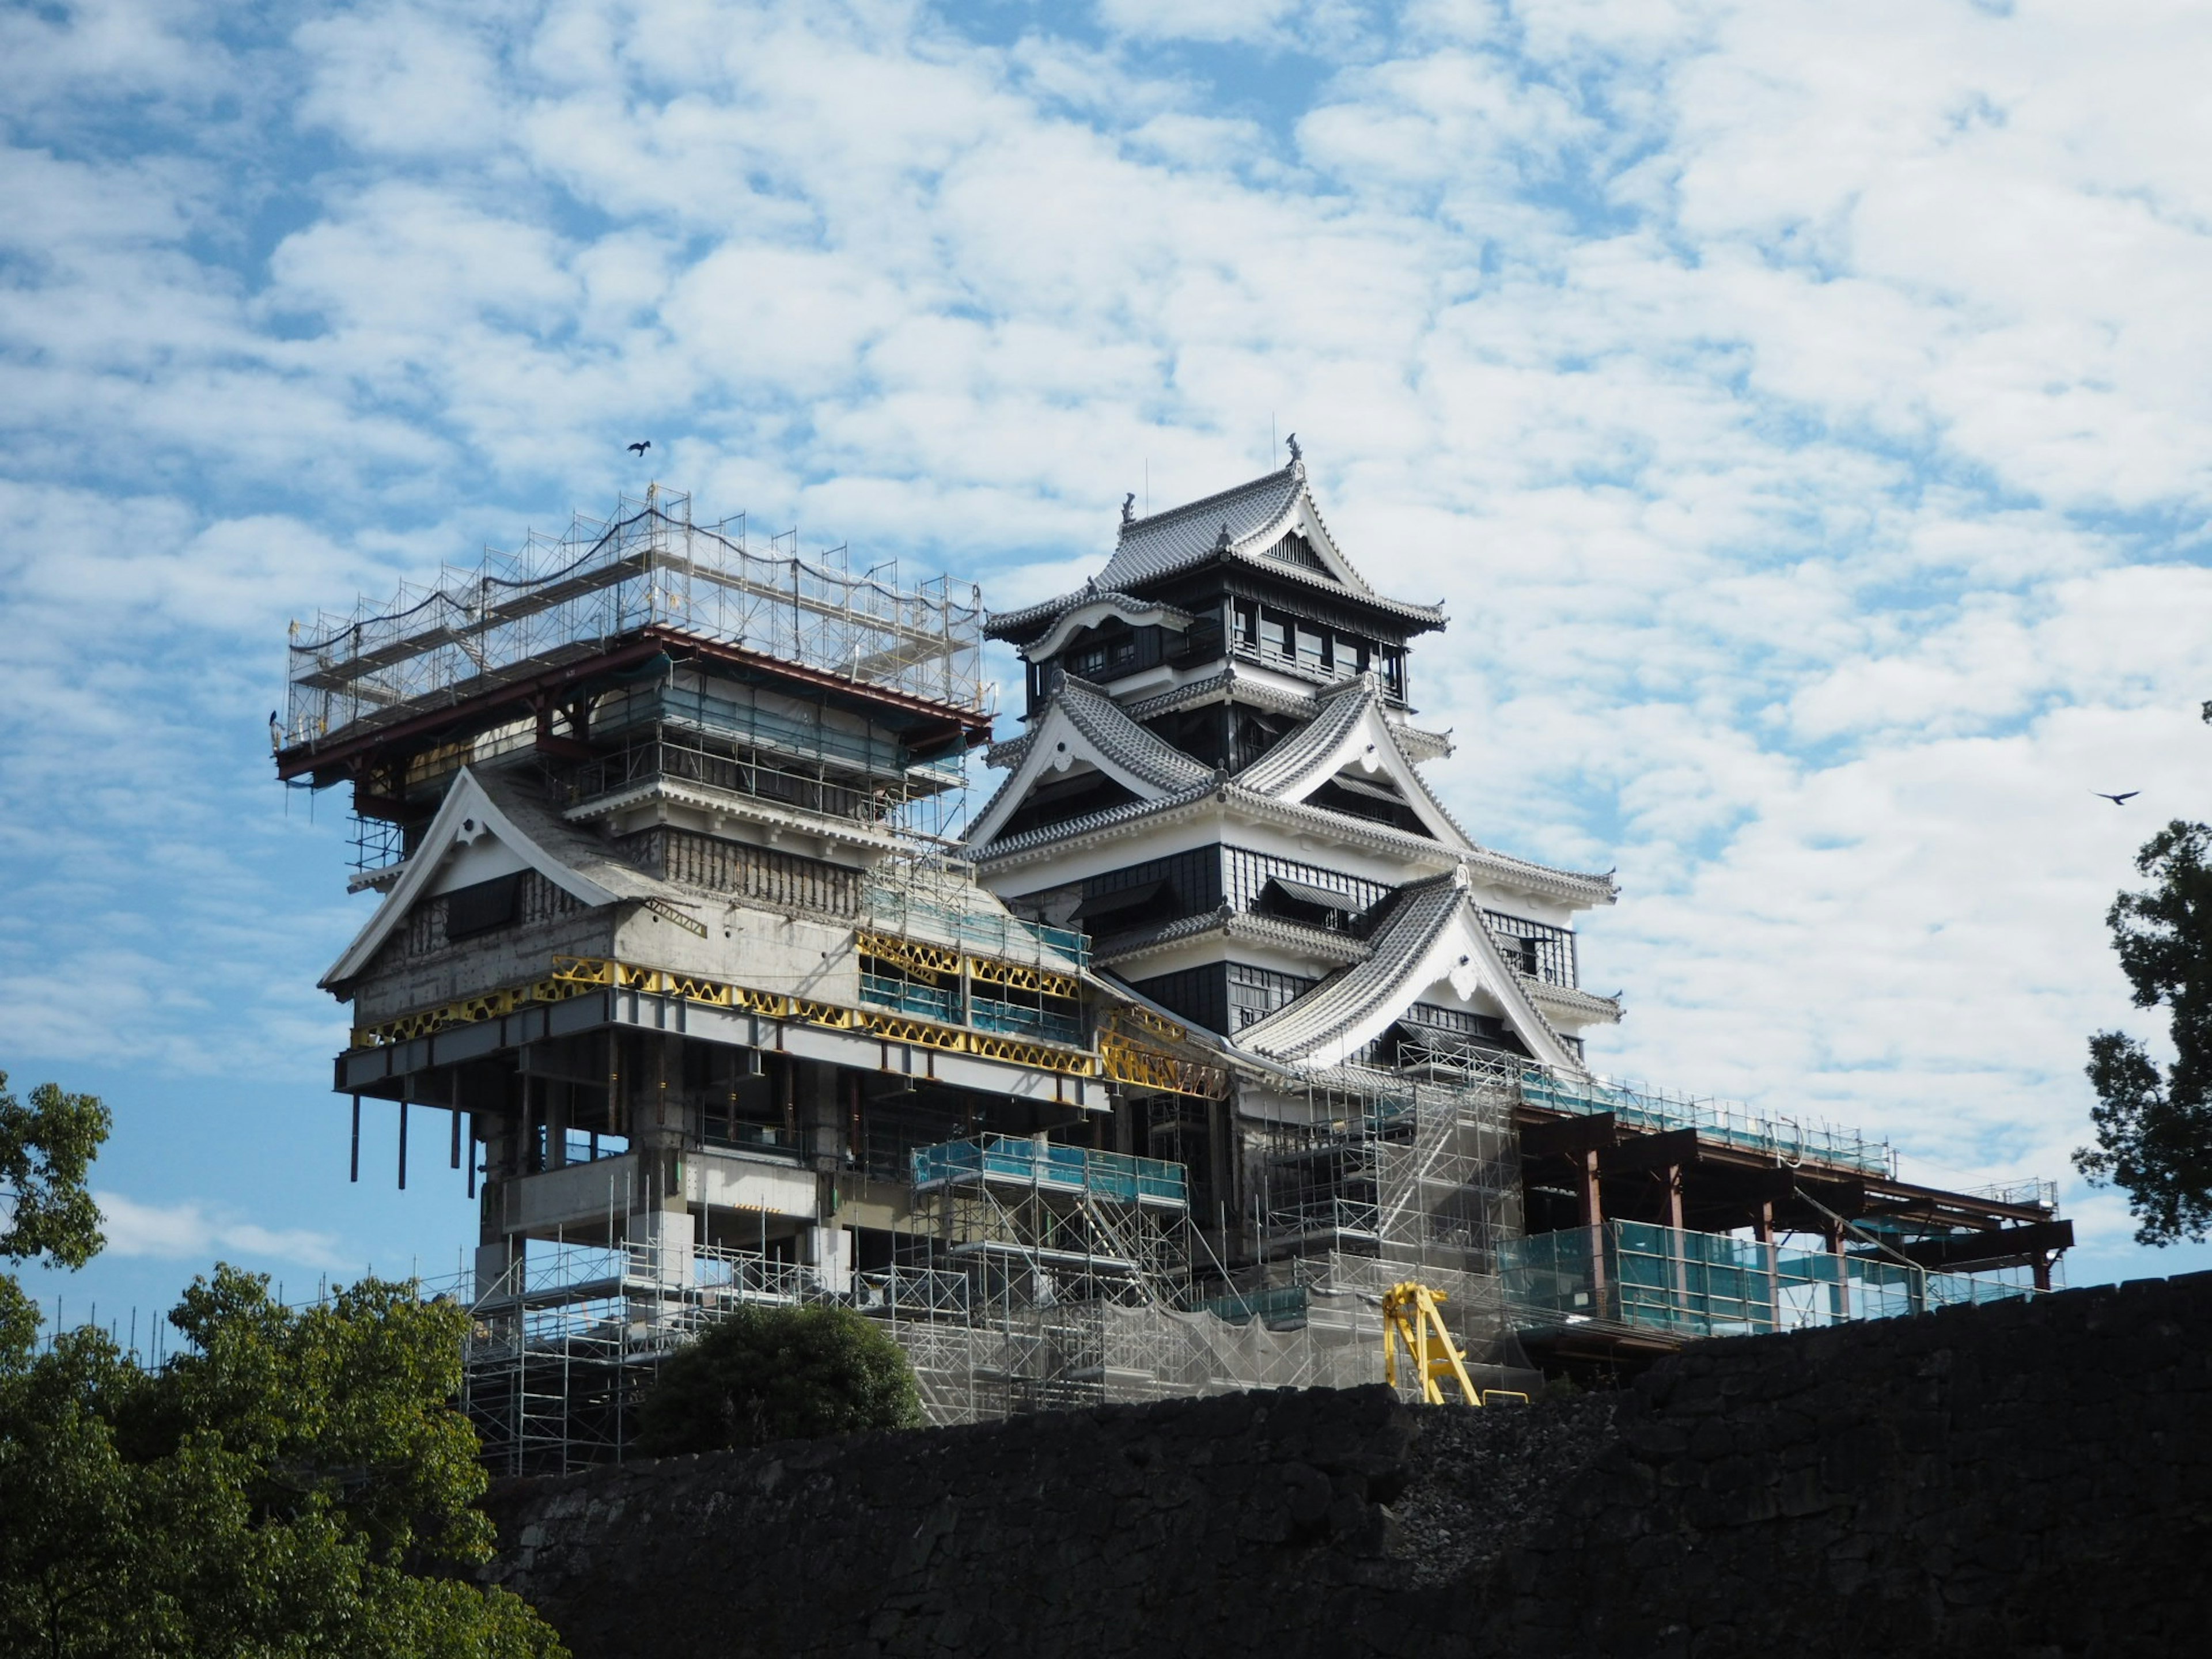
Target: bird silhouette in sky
x,y
639,449
2116,800
276,732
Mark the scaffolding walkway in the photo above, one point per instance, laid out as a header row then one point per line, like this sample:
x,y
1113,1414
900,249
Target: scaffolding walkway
x,y
561,598
1630,1276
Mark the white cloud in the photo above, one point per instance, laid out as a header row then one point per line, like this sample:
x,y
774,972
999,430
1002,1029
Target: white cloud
x,y
1803,412
1197,20
188,1230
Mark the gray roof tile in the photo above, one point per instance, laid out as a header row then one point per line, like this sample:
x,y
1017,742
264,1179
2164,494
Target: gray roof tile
x,y
1423,910
1100,719
1253,516
1337,713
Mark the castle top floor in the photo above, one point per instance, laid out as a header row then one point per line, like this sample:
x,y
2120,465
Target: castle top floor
x,y
640,648
1248,576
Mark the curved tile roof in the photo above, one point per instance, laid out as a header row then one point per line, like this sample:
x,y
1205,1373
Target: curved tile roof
x,y
1191,534
1103,598
1337,714
1385,981
1229,683
1104,818
499,801
1421,912
1117,739
1321,942
1100,719
1241,523
1572,1000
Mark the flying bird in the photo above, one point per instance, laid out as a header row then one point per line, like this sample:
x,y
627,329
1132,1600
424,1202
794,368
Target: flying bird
x,y
639,449
2116,800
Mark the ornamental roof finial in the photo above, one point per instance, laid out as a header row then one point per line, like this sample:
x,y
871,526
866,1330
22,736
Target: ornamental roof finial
x,y
1129,507
1221,542
1298,455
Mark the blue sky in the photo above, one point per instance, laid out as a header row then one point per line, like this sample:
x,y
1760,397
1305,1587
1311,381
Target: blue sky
x,y
1802,410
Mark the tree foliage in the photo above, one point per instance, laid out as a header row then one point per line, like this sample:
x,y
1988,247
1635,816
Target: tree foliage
x,y
46,1150
2154,1124
294,1482
758,1374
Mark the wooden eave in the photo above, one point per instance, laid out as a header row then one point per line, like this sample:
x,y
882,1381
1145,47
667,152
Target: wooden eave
x,y
1725,1177
1200,588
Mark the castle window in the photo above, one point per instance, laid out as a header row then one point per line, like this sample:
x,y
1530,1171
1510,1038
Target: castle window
x,y
1256,993
1394,671
482,906
1247,874
1103,654
1537,948
1298,900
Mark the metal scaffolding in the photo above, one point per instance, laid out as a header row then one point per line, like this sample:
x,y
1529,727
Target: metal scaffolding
x,y
1641,1106
1386,1177
561,598
1043,1276
1633,1276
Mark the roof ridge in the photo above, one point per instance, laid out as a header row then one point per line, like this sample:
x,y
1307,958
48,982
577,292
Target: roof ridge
x,y
1168,515
1393,948
1148,745
1332,719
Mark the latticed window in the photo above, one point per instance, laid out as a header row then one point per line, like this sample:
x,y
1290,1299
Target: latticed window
x,y
1256,993
1537,948
1245,876
1102,654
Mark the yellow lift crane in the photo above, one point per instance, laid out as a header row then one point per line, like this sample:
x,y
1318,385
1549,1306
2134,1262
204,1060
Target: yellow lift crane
x,y
1410,1315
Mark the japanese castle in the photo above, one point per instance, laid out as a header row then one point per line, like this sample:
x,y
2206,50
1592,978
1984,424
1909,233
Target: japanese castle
x,y
1220,782
1215,1033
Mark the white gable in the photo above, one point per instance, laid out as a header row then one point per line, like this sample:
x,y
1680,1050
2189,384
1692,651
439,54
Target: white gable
x,y
1461,965
1104,608
466,863
1362,747
1435,949
470,840
1054,750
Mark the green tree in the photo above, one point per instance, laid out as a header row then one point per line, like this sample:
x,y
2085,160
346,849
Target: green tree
x,y
2154,1124
757,1374
294,1482
46,1150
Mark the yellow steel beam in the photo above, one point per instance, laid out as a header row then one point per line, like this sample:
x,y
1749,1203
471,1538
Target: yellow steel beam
x,y
917,955
1018,976
575,975
1125,1061
1410,1315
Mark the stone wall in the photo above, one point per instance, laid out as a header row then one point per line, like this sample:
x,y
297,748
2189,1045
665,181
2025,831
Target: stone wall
x,y
2018,1480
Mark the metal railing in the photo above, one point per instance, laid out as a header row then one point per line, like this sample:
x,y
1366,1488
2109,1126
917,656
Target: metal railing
x,y
1790,1141
925,914
1631,1274
649,566
1114,1175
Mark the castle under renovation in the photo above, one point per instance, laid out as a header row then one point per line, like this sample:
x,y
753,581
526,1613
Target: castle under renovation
x,y
1148,1075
